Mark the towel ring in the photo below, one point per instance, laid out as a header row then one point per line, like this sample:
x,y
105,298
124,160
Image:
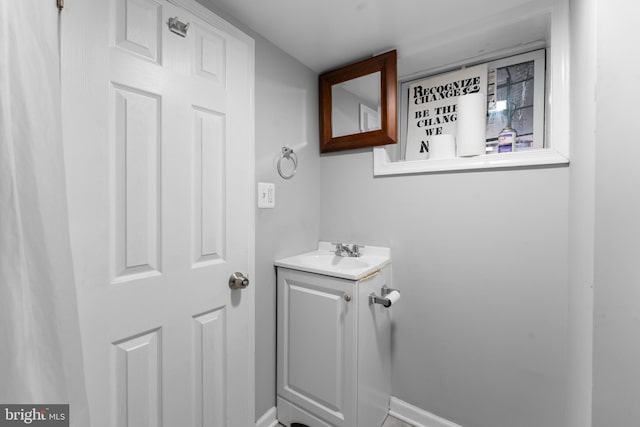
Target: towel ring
x,y
287,153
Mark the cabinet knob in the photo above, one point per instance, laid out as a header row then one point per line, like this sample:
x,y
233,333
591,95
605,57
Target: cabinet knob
x,y
347,297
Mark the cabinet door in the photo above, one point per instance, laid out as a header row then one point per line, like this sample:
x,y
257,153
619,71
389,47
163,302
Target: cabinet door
x,y
317,345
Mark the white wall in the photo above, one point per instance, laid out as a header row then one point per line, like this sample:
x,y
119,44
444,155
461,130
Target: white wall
x,y
286,114
616,367
481,259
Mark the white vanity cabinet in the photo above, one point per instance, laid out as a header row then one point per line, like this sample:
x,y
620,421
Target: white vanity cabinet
x,y
333,350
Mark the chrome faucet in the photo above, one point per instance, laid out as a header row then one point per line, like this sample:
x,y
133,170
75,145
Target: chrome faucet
x,y
354,251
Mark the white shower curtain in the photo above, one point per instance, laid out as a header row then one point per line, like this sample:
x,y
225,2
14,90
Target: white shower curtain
x,y
40,350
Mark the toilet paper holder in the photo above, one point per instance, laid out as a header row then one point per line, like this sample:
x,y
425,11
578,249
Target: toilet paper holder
x,y
383,300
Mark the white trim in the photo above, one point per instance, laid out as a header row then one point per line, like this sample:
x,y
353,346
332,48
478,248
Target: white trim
x,y
269,419
559,93
416,416
382,165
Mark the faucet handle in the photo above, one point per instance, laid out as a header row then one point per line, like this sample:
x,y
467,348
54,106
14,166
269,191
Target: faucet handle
x,y
339,248
355,248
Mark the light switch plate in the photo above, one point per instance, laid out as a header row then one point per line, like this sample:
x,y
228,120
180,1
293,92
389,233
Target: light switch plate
x,y
266,195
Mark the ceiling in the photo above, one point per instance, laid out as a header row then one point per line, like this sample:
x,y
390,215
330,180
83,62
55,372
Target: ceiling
x,y
325,34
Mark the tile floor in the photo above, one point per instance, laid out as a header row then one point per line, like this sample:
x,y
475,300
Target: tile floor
x,y
389,422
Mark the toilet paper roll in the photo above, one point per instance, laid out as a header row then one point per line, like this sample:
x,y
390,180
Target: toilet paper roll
x,y
472,122
442,147
393,297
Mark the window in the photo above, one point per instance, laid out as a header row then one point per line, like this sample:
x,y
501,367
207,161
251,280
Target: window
x,y
550,134
515,100
514,87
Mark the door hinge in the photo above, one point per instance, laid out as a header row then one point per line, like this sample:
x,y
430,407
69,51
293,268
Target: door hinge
x,y
60,4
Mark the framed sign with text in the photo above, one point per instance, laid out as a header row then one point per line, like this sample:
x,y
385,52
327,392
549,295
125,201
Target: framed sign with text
x,y
432,103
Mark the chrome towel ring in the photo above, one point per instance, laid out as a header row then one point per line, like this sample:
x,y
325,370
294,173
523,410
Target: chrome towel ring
x,y
287,153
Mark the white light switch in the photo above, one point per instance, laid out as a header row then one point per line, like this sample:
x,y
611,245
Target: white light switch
x,y
266,195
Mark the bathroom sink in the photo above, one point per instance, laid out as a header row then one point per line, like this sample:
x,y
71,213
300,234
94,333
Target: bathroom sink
x,y
325,261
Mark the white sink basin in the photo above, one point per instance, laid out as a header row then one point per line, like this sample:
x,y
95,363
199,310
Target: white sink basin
x,y
316,260
324,261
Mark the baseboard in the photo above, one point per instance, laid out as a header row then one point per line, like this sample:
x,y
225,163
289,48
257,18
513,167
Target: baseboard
x,y
269,419
397,408
416,416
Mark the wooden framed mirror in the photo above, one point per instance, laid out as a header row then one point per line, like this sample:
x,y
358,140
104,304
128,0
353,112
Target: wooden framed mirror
x,y
358,104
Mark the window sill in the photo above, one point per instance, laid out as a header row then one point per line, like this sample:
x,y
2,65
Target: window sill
x,y
383,166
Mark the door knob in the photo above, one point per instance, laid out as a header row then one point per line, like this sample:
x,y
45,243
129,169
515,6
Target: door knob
x,y
238,281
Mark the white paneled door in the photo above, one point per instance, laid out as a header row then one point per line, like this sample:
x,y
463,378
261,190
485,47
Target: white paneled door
x,y
158,130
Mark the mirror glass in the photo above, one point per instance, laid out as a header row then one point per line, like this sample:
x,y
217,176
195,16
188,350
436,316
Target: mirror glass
x,y
355,105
